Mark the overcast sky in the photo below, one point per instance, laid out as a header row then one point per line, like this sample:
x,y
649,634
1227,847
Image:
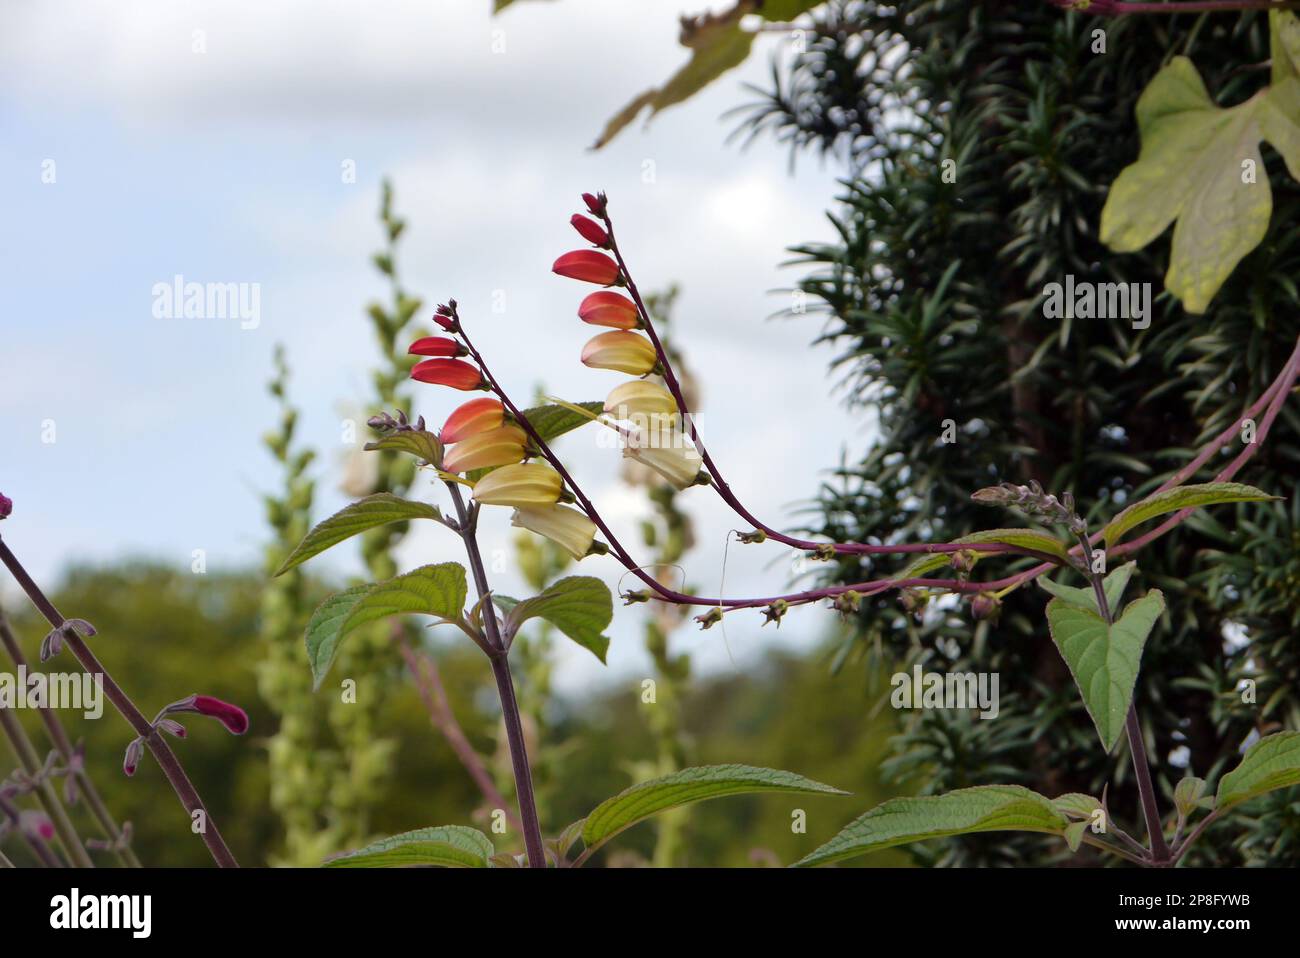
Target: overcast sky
x,y
225,165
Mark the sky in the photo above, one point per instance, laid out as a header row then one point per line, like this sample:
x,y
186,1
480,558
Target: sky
x,y
145,141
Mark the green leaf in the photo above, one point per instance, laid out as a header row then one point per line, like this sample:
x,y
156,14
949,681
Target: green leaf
x,y
1085,598
1180,497
1030,539
324,630
447,846
900,821
423,445
1104,662
1271,763
1074,834
1189,794
1190,170
437,590
639,802
580,606
552,421
1077,805
368,513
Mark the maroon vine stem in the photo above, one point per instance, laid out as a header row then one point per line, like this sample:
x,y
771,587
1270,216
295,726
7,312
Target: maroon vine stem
x,y
499,656
167,760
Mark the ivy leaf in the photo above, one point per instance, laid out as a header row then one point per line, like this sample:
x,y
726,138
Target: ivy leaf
x,y
900,821
1271,763
1104,661
437,590
367,513
1191,170
1176,499
447,846
639,802
1114,585
421,444
580,606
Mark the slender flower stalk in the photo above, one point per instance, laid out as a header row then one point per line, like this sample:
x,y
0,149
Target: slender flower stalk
x,y
167,761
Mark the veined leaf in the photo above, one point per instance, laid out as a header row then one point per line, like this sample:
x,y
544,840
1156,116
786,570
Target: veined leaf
x,y
1271,763
900,821
552,421
1077,805
1085,598
639,802
1189,793
420,443
437,590
1190,170
367,513
447,846
1104,661
580,606
1030,539
1180,497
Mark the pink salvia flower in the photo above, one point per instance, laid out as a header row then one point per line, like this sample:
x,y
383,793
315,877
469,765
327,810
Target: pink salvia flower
x,y
231,716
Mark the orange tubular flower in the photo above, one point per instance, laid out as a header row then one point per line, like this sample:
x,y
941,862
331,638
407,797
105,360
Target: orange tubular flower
x,y
437,346
455,373
607,308
588,265
502,446
590,230
622,351
475,416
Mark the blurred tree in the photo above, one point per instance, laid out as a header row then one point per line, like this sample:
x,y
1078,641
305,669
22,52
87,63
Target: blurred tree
x,y
933,294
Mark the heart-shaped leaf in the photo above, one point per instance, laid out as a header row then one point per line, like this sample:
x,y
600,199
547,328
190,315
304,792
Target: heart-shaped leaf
x,y
580,606
1085,598
1104,660
1271,763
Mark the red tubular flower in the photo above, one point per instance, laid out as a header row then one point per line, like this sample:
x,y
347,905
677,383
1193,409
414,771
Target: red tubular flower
x,y
231,716
455,373
589,266
6,506
437,346
446,322
608,308
471,418
595,203
590,230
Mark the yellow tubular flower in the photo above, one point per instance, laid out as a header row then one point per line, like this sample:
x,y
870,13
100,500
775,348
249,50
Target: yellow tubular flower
x,y
620,350
669,455
521,485
567,528
495,447
639,398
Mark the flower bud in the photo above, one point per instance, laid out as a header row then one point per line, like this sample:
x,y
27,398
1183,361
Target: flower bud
x,y
608,308
711,618
171,727
671,457
621,351
437,346
455,373
595,203
6,506
588,265
495,447
132,760
639,398
519,485
231,716
36,824
590,230
567,528
775,612
475,416
847,602
985,606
